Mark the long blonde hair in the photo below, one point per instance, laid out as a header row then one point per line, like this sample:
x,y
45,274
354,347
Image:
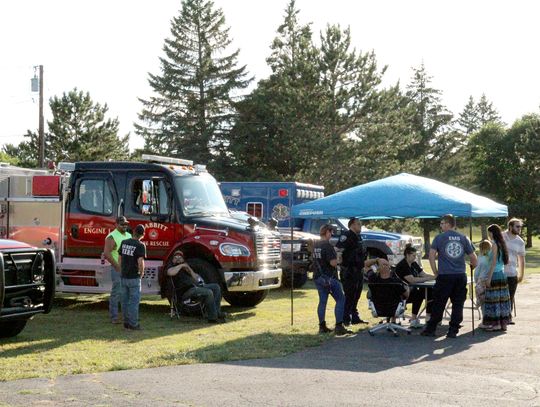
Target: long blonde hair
x,y
485,247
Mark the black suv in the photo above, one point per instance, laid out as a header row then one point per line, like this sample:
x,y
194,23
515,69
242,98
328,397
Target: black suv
x,y
27,284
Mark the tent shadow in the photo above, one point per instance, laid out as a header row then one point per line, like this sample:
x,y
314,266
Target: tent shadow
x,y
363,353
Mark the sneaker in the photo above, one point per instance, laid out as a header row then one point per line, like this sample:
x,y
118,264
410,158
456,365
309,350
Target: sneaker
x,y
216,321
511,322
425,332
358,321
341,330
133,328
451,334
323,329
116,321
415,324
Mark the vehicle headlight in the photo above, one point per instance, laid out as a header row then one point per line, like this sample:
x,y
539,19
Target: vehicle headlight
x,y
234,250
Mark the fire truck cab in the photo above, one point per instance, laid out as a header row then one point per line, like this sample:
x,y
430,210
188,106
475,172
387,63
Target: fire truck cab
x,y
180,205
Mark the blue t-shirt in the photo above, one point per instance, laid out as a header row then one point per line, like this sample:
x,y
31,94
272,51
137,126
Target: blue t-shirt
x,y
451,247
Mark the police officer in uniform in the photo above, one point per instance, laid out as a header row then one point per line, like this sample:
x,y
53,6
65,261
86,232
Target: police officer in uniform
x,y
351,275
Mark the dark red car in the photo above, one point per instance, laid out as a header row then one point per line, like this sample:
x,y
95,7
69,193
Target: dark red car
x,y
27,284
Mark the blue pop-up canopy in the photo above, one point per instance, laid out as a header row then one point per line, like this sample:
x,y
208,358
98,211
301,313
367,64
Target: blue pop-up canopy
x,y
401,196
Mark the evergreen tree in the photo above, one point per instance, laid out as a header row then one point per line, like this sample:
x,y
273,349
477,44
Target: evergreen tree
x,y
78,131
487,112
26,152
308,109
433,140
192,111
349,96
468,118
476,115
6,157
277,132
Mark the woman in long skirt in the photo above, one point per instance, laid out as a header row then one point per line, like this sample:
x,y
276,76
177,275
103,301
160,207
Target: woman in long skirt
x,y
496,308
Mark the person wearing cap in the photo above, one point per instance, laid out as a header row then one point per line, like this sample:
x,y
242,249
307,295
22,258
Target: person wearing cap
x,y
352,265
189,284
110,251
131,260
326,281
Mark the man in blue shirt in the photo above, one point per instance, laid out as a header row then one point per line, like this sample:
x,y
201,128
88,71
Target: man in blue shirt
x,y
451,279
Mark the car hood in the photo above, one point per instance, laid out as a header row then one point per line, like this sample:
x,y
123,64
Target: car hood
x,y
379,235
221,222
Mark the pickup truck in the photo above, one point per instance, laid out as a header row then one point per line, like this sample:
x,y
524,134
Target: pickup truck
x,y
378,243
273,200
27,285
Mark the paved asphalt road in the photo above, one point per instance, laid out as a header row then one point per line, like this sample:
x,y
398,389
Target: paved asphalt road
x,y
486,369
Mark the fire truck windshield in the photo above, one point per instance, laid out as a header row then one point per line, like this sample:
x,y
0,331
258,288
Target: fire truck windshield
x,y
200,195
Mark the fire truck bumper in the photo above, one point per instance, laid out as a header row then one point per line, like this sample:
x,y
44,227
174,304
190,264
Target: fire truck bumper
x,y
252,280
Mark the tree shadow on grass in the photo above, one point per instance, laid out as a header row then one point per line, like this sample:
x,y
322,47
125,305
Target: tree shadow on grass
x,y
76,319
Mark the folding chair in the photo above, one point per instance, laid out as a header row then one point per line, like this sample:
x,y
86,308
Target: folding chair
x,y
188,307
385,301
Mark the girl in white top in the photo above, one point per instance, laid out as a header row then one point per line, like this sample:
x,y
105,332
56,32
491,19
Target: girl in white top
x,y
481,271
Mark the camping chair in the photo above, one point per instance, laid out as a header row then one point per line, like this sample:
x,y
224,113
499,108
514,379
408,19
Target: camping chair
x,y
188,306
385,301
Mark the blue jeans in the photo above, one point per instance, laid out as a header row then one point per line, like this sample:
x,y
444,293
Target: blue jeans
x,y
131,297
116,293
330,286
210,295
453,287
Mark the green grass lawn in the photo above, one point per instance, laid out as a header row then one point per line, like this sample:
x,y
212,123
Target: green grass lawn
x,y
77,337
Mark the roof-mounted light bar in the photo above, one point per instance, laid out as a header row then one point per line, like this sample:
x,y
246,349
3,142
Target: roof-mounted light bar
x,y
165,160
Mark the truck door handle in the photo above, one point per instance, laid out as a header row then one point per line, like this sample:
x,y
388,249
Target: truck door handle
x,y
75,231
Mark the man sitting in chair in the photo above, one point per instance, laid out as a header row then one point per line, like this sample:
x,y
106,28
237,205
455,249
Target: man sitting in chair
x,y
386,291
385,276
189,284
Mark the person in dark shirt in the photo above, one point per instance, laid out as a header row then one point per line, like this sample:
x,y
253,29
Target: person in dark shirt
x,y
450,249
326,281
385,276
351,273
189,284
411,272
131,256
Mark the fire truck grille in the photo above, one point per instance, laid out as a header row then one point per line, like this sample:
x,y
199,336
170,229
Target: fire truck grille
x,y
268,247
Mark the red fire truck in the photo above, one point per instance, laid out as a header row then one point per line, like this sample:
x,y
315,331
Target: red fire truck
x,y
73,209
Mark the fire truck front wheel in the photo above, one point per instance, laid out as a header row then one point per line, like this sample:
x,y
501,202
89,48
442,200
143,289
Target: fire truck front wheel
x,y
245,298
205,269
11,328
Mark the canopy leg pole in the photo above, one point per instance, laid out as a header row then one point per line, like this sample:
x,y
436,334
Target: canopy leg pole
x,y
471,284
291,224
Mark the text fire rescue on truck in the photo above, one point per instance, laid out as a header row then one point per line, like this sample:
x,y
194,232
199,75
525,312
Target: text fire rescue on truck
x,y
180,205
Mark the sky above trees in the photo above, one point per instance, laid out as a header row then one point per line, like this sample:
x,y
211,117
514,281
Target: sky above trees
x,y
107,49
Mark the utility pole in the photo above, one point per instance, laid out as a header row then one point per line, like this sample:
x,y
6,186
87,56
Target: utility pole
x,y
37,85
41,121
